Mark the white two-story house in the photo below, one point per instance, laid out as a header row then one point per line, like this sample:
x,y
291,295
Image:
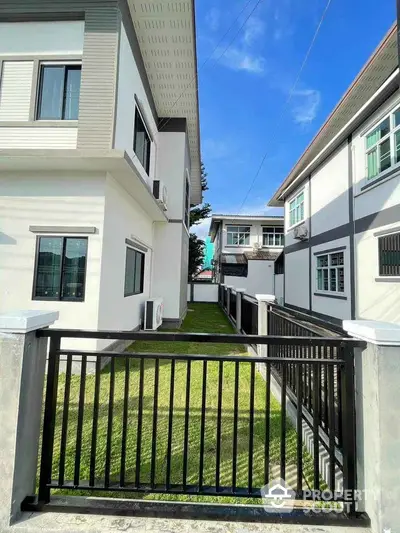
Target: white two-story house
x,y
99,158
342,203
245,251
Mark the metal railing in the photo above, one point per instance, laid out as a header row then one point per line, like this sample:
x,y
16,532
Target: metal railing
x,y
249,314
232,306
215,432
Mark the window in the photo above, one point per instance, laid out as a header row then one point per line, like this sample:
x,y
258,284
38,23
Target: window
x,y
142,142
330,272
59,90
134,272
296,209
389,255
382,145
273,236
60,268
238,235
187,203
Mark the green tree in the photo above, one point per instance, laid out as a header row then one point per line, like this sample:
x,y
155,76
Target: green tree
x,y
197,215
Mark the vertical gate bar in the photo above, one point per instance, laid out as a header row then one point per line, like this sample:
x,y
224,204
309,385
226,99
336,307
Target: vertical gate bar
x,y
299,430
267,421
219,417
124,424
202,424
155,418
339,404
316,421
327,355
139,423
283,421
251,427
79,430
349,426
331,425
49,420
170,423
110,424
235,426
186,434
95,422
64,431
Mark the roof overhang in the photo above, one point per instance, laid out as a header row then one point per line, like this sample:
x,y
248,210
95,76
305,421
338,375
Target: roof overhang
x,y
166,33
115,162
374,84
241,219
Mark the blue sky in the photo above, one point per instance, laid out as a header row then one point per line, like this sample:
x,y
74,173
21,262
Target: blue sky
x,y
243,92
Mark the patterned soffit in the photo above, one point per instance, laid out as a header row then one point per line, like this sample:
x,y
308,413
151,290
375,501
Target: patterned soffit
x,y
166,35
379,67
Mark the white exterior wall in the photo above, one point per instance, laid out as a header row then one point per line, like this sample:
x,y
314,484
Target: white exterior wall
x,y
297,278
322,303
260,278
329,193
49,199
129,84
45,40
256,236
123,218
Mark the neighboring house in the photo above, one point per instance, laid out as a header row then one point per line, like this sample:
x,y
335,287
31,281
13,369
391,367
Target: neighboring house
x,y
98,102
245,249
342,203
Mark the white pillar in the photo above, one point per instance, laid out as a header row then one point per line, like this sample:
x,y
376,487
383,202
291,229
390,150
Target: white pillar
x,y
377,377
263,301
239,296
22,371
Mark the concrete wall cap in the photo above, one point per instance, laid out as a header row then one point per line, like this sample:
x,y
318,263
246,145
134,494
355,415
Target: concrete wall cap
x,y
373,331
265,297
240,290
26,321
229,286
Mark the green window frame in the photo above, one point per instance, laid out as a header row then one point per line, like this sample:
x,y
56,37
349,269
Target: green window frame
x,y
382,145
134,272
296,209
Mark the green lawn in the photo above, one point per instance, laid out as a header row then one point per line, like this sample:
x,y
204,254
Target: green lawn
x,y
201,318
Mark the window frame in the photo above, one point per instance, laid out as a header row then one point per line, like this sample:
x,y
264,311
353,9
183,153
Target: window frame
x,y
328,269
238,233
36,265
141,291
73,65
187,201
138,115
394,235
281,233
391,136
293,199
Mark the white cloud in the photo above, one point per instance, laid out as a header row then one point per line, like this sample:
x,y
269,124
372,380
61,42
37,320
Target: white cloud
x,y
214,149
202,229
305,105
237,59
254,29
213,18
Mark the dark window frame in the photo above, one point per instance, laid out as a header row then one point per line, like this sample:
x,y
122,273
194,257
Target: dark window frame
x,y
187,202
389,244
137,252
62,263
145,164
67,67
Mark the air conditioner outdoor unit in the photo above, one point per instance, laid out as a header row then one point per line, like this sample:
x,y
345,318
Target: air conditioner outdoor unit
x,y
153,313
160,193
300,232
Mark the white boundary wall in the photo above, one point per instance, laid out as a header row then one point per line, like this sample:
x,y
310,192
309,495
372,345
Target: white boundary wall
x,y
202,292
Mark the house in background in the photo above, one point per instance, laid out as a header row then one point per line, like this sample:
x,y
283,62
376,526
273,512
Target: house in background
x,y
99,159
245,250
342,203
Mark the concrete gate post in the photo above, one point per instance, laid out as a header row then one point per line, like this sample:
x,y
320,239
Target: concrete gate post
x,y
239,296
263,301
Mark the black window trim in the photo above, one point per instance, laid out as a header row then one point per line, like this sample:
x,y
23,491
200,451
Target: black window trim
x,y
127,294
36,264
72,64
187,200
139,113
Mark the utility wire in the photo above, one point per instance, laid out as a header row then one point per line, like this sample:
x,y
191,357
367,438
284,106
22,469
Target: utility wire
x,y
292,90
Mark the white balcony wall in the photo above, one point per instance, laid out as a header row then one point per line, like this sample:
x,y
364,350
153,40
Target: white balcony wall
x,y
15,90
38,138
